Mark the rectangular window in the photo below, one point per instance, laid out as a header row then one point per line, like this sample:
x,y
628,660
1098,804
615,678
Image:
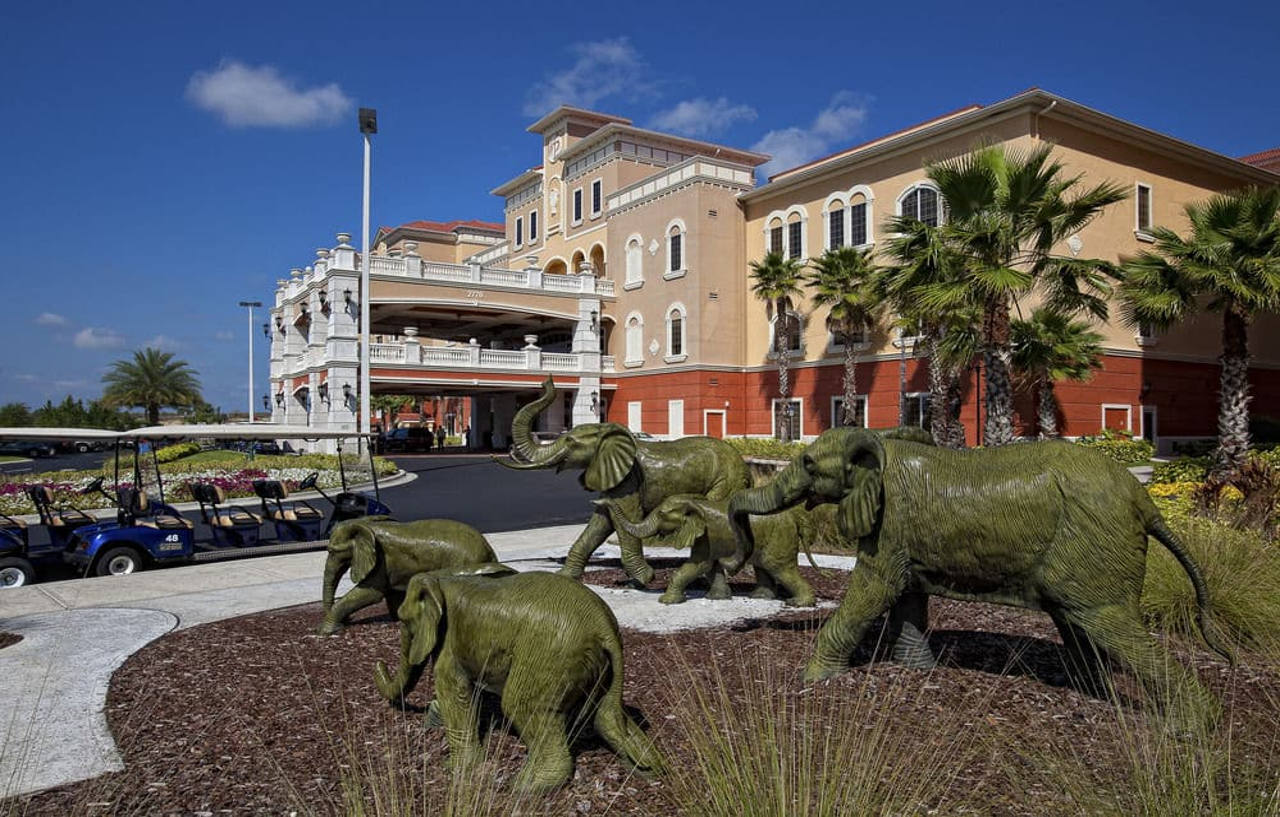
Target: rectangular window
x,y
519,231
858,224
675,252
595,196
787,419
794,232
775,239
835,227
916,410
675,418
929,207
1144,208
677,335
859,412
634,410
577,205
533,226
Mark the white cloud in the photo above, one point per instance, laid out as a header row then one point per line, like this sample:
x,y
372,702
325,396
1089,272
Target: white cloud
x,y
50,319
93,338
702,116
164,343
602,69
245,96
26,378
224,335
834,125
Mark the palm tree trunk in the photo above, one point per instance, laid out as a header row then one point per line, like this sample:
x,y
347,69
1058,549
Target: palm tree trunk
x,y
850,380
1047,410
782,325
153,414
955,400
1233,395
938,407
997,356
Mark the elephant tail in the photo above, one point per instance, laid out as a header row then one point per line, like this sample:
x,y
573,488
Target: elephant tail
x,y
1208,629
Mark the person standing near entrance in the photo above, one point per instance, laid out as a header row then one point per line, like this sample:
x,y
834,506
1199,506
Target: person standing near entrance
x,y
440,437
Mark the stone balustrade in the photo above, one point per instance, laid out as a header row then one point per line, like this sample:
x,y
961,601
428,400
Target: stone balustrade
x,y
473,356
416,268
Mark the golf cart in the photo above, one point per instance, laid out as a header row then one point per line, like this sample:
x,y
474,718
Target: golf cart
x,y
30,548
150,532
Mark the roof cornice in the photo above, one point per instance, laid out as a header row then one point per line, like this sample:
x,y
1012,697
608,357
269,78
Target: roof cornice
x,y
709,149
518,182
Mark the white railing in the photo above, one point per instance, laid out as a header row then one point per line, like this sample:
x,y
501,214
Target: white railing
x,y
446,356
386,352
561,362
604,287
561,283
504,277
418,269
608,363
500,250
445,272
504,358
384,265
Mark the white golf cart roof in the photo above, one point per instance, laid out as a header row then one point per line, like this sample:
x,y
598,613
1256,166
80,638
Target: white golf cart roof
x,y
51,433
237,431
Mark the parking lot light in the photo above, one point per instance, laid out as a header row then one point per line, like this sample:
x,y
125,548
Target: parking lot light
x,y
251,305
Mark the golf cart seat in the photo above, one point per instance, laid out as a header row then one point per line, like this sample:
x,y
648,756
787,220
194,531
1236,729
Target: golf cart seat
x,y
15,526
210,498
42,497
136,505
272,492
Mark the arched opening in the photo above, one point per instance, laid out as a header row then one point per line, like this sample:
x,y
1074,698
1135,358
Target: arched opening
x,y
556,266
597,261
635,261
578,259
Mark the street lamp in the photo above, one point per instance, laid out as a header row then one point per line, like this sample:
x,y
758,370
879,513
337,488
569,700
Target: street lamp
x,y
266,403
251,305
368,118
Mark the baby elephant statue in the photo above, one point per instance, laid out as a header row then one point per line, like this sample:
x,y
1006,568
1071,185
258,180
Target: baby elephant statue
x,y
383,555
703,526
547,645
1050,526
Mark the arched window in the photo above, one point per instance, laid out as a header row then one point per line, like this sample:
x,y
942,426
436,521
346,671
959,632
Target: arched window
x,y
677,252
860,201
793,341
795,238
635,262
676,325
774,235
635,340
835,217
922,203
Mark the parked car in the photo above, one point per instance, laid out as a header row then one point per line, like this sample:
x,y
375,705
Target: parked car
x,y
80,446
407,439
27,448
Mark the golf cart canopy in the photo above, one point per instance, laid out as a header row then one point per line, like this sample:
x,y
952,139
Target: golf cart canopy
x,y
50,433
243,431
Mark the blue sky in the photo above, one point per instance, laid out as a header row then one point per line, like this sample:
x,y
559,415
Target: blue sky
x,y
163,161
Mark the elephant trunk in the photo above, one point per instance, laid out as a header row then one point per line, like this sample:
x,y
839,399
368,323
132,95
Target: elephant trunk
x,y
786,489
334,569
544,456
394,688
640,530
522,426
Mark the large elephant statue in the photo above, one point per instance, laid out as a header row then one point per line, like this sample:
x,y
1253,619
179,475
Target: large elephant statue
x,y
383,555
703,527
547,645
1049,526
636,474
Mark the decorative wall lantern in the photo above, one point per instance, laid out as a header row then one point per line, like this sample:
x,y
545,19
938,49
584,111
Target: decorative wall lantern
x,y
266,330
324,392
279,324
324,301
347,395
595,321
279,398
266,403
595,401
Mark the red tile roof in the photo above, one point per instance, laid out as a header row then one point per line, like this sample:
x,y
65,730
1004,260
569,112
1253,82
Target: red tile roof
x,y
1266,159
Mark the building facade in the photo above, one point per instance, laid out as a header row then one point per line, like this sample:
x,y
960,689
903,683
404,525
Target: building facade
x,y
622,270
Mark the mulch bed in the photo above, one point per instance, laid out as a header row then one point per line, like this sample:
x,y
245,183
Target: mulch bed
x,y
258,715
9,639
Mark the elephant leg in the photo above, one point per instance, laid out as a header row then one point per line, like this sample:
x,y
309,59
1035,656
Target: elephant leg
x,y
549,763
681,579
357,598
457,705
1118,630
766,585
624,736
799,592
592,537
1084,660
395,598
719,583
866,597
633,562
908,623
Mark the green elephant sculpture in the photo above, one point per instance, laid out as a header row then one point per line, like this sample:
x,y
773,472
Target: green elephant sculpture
x,y
703,527
547,645
383,555
636,474
1049,526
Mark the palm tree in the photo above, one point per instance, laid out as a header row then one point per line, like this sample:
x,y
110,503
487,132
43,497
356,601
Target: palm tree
x,y
775,280
1050,346
1230,263
151,380
384,403
1007,210
844,279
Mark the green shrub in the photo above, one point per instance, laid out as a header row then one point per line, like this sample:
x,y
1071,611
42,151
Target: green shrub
x,y
176,452
766,448
1121,446
1187,469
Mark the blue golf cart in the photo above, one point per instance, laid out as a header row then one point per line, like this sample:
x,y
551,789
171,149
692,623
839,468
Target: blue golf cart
x,y
149,532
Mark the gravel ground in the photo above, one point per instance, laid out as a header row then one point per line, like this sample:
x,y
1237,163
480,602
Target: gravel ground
x,y
257,715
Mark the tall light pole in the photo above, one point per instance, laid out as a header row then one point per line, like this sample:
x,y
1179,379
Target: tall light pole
x,y
368,127
251,305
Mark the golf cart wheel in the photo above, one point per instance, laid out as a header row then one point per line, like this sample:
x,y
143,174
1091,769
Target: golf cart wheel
x,y
82,448
119,562
15,572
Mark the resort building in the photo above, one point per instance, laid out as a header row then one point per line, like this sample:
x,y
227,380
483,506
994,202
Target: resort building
x,y
622,270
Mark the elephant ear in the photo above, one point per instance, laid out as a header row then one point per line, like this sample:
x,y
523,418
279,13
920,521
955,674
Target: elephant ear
x,y
859,510
694,527
615,456
364,552
421,613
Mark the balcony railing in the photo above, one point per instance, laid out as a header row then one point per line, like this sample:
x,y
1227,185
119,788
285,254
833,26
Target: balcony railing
x,y
477,357
419,269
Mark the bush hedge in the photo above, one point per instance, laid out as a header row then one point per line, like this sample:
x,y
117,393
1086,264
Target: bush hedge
x,y
1120,446
176,452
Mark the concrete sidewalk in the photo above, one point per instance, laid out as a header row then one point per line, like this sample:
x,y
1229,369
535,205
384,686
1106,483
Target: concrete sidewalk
x,y
76,633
